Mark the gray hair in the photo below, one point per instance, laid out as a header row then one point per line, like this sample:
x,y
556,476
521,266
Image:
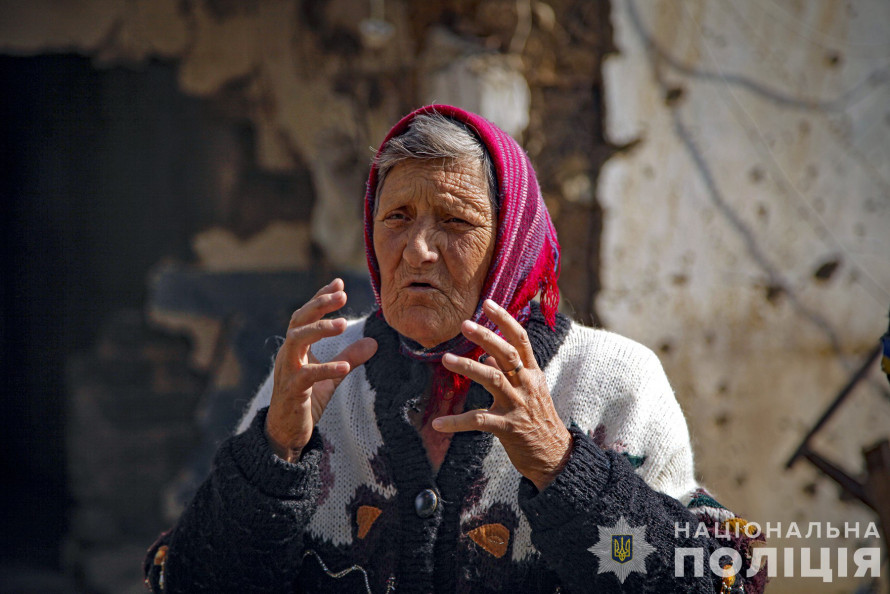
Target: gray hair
x,y
435,136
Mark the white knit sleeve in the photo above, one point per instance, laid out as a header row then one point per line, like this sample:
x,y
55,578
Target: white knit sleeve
x,y
262,398
616,390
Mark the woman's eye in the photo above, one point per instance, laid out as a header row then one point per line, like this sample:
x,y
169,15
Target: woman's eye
x,y
457,221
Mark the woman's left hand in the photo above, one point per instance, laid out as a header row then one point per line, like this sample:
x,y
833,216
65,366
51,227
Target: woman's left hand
x,y
522,415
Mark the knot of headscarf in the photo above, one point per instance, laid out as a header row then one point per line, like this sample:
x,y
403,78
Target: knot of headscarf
x,y
526,256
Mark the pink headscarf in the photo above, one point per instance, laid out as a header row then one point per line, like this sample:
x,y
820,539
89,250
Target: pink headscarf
x,y
526,256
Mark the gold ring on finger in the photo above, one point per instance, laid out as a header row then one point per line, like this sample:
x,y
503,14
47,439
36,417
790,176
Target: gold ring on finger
x,y
513,371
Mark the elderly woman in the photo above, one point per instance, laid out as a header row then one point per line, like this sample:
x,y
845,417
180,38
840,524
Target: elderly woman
x,y
461,437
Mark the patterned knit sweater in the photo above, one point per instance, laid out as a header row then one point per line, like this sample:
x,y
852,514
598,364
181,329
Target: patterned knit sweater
x,y
362,510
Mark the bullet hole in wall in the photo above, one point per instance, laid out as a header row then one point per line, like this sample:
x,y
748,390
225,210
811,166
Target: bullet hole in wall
x,y
774,293
826,270
833,59
673,95
756,174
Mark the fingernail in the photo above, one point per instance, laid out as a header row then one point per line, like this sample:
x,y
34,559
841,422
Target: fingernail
x,y
342,368
437,424
472,326
449,358
491,304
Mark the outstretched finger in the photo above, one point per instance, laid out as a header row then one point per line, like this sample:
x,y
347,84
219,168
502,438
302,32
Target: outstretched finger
x,y
488,377
294,353
329,298
513,333
503,355
357,353
313,373
302,337
473,420
352,356
334,285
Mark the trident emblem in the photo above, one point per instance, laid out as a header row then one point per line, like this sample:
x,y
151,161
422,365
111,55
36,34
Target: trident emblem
x,y
622,547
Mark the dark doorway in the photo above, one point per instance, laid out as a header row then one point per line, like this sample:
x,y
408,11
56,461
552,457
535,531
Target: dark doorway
x,y
105,172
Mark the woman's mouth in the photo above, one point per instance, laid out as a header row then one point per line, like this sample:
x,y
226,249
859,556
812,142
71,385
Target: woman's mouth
x,y
420,287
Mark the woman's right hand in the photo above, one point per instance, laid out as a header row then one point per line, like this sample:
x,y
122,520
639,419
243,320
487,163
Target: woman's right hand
x,y
302,385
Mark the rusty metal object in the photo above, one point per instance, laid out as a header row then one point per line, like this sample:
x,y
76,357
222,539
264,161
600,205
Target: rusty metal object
x,y
874,490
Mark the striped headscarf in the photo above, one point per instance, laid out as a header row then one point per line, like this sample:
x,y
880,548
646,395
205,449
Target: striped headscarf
x,y
526,255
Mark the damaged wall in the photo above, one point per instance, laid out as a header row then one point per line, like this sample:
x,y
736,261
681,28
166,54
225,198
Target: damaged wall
x,y
744,217
297,92
318,90
745,236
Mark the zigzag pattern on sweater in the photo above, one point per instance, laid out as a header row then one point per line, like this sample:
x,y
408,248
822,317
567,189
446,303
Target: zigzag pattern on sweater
x,y
611,387
344,515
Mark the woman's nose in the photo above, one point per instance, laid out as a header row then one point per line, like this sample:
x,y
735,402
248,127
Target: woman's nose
x,y
420,248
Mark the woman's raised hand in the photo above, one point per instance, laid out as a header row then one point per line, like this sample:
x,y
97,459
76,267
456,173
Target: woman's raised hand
x,y
302,385
522,415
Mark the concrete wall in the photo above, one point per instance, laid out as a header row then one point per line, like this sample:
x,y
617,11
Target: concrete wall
x,y
746,236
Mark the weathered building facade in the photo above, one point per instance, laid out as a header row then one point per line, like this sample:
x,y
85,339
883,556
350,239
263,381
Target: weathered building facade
x,y
718,172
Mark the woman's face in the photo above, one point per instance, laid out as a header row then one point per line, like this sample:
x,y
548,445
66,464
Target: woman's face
x,y
434,235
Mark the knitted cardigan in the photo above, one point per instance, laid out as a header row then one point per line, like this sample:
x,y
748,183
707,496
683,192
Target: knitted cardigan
x,y
344,518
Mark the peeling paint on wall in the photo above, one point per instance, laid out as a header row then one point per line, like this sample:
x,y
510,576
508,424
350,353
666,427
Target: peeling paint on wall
x,y
297,92
746,234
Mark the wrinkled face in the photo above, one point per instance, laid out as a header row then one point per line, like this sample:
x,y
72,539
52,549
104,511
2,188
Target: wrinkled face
x,y
434,235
